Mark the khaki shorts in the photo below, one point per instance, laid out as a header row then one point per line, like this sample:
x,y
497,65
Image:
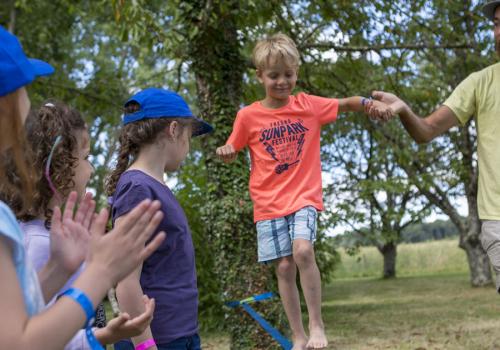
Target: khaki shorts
x,y
490,239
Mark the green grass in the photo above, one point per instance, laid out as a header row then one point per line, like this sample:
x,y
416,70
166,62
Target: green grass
x,y
427,258
408,313
430,306
429,312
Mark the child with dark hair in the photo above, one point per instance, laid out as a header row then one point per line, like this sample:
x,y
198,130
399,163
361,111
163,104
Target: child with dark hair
x,y
23,291
155,137
60,147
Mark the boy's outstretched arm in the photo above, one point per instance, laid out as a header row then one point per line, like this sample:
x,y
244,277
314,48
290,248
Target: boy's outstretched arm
x,y
422,130
357,104
226,153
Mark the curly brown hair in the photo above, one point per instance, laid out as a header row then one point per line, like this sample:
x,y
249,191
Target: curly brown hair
x,y
43,126
15,166
132,137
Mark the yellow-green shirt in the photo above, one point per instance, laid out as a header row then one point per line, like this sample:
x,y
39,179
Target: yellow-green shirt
x,y
479,96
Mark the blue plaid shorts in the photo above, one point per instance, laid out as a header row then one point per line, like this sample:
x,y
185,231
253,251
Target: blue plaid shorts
x,y
275,236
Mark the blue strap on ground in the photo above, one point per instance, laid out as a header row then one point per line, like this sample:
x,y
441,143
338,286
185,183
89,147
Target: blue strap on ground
x,y
252,299
273,332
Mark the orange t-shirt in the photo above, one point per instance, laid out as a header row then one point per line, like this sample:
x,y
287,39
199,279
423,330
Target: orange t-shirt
x,y
284,148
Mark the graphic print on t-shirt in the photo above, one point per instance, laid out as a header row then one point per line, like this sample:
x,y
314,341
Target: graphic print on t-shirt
x,y
284,141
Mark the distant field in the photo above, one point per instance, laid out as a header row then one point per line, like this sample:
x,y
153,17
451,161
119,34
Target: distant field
x,y
427,258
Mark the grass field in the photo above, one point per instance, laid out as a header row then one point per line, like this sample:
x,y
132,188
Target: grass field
x,y
430,306
427,258
429,312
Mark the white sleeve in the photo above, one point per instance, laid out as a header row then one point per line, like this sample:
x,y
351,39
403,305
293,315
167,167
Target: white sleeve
x,y
79,342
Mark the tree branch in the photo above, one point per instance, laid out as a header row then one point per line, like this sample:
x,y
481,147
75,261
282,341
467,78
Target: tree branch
x,y
415,47
95,97
12,18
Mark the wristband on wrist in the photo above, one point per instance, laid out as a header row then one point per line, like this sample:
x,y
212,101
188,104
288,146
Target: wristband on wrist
x,y
145,344
92,340
365,100
81,299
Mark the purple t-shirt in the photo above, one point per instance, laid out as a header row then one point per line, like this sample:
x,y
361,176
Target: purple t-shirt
x,y
169,274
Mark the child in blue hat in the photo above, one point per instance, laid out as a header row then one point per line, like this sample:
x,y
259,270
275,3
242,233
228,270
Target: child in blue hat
x,y
155,138
22,292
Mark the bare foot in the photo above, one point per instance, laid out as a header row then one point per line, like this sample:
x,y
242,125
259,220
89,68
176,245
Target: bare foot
x,y
299,343
317,339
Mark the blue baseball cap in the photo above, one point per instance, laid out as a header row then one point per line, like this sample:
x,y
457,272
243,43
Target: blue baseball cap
x,y
16,70
490,8
161,103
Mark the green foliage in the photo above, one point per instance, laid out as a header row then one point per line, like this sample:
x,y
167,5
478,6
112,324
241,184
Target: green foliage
x,y
414,233
191,193
90,68
105,50
436,230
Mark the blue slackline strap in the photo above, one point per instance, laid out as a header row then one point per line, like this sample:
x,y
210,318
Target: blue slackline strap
x,y
263,296
252,299
273,332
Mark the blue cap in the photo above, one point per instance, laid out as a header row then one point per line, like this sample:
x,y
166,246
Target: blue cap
x,y
16,70
490,8
161,103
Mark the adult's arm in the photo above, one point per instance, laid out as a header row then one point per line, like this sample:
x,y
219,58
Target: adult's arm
x,y
422,130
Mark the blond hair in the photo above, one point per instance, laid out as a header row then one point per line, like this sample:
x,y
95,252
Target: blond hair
x,y
274,49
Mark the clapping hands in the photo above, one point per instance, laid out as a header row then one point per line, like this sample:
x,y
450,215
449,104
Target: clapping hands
x,y
79,236
124,326
69,233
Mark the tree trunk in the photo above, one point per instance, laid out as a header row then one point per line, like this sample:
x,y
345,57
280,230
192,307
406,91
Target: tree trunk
x,y
389,252
214,50
479,265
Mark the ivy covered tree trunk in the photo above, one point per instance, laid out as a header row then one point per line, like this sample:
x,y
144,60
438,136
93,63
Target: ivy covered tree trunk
x,y
216,61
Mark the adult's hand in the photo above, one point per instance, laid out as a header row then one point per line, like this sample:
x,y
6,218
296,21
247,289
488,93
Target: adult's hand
x,y
394,102
378,110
